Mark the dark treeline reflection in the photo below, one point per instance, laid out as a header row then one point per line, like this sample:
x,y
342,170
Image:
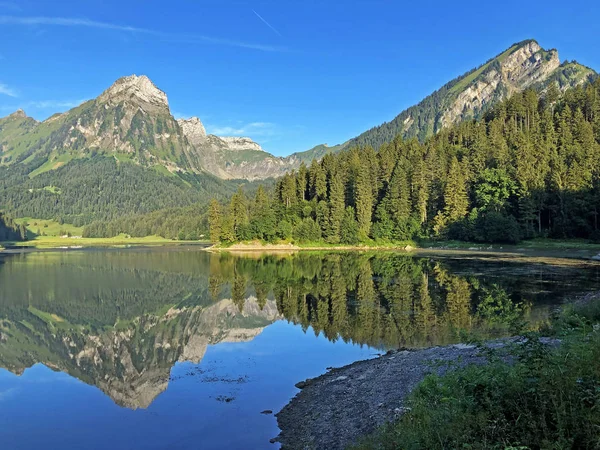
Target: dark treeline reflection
x,y
388,300
121,319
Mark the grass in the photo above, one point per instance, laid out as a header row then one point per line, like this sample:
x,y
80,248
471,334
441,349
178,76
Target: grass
x,y
52,164
50,228
368,245
54,232
462,84
548,398
122,157
163,170
121,240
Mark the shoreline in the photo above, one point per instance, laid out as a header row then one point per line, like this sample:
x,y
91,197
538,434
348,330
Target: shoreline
x,y
341,406
535,252
540,253
23,247
258,247
344,405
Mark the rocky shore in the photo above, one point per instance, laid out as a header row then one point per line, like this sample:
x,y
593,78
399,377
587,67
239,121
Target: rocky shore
x,y
334,410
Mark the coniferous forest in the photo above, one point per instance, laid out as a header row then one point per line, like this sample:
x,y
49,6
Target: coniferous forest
x,y
10,231
529,168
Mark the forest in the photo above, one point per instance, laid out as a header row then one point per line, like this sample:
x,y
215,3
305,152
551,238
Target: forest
x,y
11,231
529,168
101,189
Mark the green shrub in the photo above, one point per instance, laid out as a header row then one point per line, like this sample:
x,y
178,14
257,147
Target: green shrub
x,y
548,398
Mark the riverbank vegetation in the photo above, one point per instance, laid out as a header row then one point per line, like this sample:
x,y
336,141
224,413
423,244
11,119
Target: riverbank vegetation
x,y
530,168
548,398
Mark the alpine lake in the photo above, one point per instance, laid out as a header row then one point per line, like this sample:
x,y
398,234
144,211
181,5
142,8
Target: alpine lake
x,y
176,347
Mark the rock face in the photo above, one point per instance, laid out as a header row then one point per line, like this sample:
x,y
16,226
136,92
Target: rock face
x,y
522,68
138,90
233,157
18,114
192,129
524,65
241,143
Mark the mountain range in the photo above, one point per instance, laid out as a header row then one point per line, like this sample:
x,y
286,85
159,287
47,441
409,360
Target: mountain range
x,y
131,122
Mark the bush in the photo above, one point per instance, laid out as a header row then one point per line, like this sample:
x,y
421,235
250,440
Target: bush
x,y
497,228
548,398
595,237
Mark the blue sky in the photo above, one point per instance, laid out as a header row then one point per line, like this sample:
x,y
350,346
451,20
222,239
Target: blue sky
x,y
289,74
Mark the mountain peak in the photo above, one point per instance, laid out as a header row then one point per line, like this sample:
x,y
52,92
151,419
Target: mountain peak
x,y
236,143
136,87
18,114
192,129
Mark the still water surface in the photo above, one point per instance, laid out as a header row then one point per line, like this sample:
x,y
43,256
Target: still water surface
x,y
178,348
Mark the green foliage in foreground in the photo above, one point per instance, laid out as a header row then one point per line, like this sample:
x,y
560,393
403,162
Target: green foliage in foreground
x,y
548,399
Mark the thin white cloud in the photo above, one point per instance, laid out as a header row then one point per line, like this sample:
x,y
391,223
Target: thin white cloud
x,y
174,37
249,129
267,23
4,89
43,105
47,104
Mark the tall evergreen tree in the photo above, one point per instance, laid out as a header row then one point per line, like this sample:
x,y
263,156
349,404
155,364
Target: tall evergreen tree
x,y
215,221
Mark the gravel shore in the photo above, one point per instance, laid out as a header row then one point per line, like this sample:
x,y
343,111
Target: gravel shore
x,y
337,408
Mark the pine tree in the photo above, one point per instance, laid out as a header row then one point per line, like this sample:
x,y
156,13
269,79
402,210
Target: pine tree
x,y
302,182
317,182
263,220
397,198
337,205
364,202
215,221
238,209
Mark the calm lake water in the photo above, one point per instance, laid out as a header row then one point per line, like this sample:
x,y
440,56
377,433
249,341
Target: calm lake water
x,y
179,348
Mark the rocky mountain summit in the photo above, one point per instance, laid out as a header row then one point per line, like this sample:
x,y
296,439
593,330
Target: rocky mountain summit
x,y
524,65
131,121
136,90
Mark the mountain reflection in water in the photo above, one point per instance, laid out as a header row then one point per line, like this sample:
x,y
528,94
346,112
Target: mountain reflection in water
x,y
120,320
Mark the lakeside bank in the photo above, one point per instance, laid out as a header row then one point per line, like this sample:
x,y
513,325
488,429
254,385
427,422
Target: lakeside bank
x,y
535,389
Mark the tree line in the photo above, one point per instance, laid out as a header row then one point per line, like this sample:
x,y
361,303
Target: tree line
x,y
388,300
530,167
10,230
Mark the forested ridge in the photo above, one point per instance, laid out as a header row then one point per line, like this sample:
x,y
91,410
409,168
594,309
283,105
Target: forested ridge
x,y
428,116
530,167
101,189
